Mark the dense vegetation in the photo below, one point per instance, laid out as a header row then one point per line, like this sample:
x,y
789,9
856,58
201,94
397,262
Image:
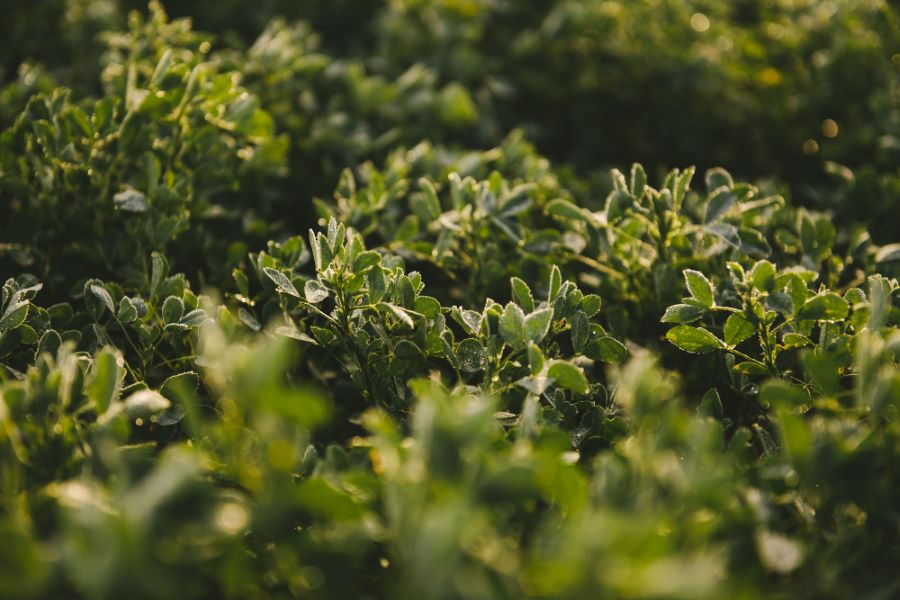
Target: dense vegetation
x,y
327,300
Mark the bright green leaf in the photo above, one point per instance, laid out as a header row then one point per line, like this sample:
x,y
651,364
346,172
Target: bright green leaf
x,y
826,307
699,287
737,329
568,376
694,339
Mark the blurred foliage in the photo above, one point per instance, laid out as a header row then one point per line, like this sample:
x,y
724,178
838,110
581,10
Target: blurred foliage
x,y
766,88
343,300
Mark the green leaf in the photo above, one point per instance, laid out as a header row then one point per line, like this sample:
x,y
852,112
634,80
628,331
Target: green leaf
x,y
60,315
512,325
127,312
428,306
781,303
826,307
887,254
590,304
249,320
753,243
737,329
568,210
397,312
50,342
314,291
711,405
518,200
172,309
472,355
162,68
405,292
682,185
718,177
617,204
408,358
292,332
145,403
159,270
606,349
699,287
431,201
581,330
682,313
694,339
193,318
781,394
638,180
719,203
104,385
334,235
522,294
469,319
180,385
535,358
377,284
797,290
365,260
795,340
751,368
100,292
14,315
315,248
568,376
762,275
822,369
537,324
240,280
555,283
282,283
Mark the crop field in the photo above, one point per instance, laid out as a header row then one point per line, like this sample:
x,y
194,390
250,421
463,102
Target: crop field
x,y
450,299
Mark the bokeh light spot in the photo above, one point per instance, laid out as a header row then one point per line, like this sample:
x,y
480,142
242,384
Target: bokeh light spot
x,y
699,22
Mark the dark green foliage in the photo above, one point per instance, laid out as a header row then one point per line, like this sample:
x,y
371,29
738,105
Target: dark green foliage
x,y
296,309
